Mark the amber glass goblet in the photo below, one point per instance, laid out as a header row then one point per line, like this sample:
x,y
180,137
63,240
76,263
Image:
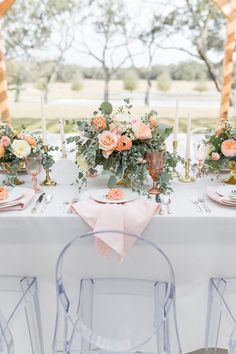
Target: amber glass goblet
x,y
155,163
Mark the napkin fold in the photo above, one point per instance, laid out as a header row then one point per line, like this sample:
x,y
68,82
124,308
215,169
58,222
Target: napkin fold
x,y
131,217
20,203
211,192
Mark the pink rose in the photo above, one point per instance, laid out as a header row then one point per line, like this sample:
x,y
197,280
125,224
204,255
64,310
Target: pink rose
x,y
215,156
142,131
21,136
5,141
107,143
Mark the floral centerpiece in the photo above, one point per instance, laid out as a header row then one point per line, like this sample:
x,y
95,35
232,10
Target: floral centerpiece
x,y
119,142
222,150
15,147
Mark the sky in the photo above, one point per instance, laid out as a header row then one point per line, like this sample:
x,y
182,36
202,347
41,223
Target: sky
x,y
141,10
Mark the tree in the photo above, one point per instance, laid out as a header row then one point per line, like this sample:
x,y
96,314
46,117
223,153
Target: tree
x,y
25,28
130,80
151,38
164,81
108,21
201,24
16,75
201,84
77,82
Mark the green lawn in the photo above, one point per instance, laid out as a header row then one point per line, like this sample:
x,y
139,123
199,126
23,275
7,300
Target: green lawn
x,y
52,125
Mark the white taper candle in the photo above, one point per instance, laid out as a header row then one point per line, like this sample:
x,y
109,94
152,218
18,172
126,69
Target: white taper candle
x,y
188,138
176,122
63,142
43,122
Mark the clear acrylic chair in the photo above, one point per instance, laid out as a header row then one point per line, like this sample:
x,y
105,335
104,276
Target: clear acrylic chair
x,y
20,322
221,315
109,306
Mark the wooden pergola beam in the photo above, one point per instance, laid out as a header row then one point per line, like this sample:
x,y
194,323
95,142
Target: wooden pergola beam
x,y
5,5
228,8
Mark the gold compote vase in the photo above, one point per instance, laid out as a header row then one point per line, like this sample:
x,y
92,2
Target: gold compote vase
x,y
231,179
155,164
11,168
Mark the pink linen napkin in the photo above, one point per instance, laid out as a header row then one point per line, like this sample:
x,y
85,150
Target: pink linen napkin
x,y
130,217
211,192
20,203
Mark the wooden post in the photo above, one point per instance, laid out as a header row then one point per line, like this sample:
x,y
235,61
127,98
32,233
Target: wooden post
x,y
4,107
228,8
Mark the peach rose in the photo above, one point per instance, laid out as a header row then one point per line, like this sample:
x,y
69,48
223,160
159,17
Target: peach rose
x,y
3,193
2,150
153,121
5,141
228,148
30,140
115,194
107,143
124,143
142,131
99,122
215,156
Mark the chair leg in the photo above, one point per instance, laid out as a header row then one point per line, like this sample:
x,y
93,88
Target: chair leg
x,y
232,342
86,308
6,339
214,314
32,312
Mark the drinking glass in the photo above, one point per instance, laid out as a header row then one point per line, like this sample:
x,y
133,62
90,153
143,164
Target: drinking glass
x,y
200,154
155,163
33,166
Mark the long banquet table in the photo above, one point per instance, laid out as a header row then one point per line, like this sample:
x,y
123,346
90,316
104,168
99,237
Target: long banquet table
x,y
199,245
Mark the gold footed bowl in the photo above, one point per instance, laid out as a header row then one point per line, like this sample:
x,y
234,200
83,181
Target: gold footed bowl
x,y
11,177
231,179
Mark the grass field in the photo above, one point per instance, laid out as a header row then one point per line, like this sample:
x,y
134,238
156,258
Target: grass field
x,y
203,107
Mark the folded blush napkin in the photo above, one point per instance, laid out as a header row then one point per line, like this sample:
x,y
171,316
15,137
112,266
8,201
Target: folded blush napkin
x,y
211,192
20,203
131,217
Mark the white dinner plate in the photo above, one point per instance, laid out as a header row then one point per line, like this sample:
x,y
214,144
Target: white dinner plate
x,y
13,194
100,195
227,191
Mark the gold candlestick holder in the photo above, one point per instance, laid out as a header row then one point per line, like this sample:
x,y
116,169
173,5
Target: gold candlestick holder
x,y
48,182
187,178
175,174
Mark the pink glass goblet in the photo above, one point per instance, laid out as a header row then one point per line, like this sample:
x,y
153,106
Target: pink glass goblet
x,y
33,166
155,163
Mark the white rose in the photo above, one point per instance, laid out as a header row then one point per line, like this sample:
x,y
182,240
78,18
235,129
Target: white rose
x,y
21,148
121,118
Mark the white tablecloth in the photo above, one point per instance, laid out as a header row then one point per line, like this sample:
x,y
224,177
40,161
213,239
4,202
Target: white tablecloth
x,y
199,246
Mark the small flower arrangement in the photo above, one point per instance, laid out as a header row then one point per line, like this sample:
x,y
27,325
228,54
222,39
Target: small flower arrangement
x,y
14,145
118,142
222,147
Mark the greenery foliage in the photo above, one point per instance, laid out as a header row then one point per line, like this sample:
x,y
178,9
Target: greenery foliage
x,y
126,160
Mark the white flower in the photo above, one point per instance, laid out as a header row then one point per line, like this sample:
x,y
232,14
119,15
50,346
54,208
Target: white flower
x,y
82,163
21,148
119,117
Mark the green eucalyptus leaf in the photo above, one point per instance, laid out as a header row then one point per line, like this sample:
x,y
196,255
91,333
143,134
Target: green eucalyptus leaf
x,y
106,108
112,181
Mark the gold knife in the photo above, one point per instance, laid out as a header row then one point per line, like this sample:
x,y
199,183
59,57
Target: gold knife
x,y
38,202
